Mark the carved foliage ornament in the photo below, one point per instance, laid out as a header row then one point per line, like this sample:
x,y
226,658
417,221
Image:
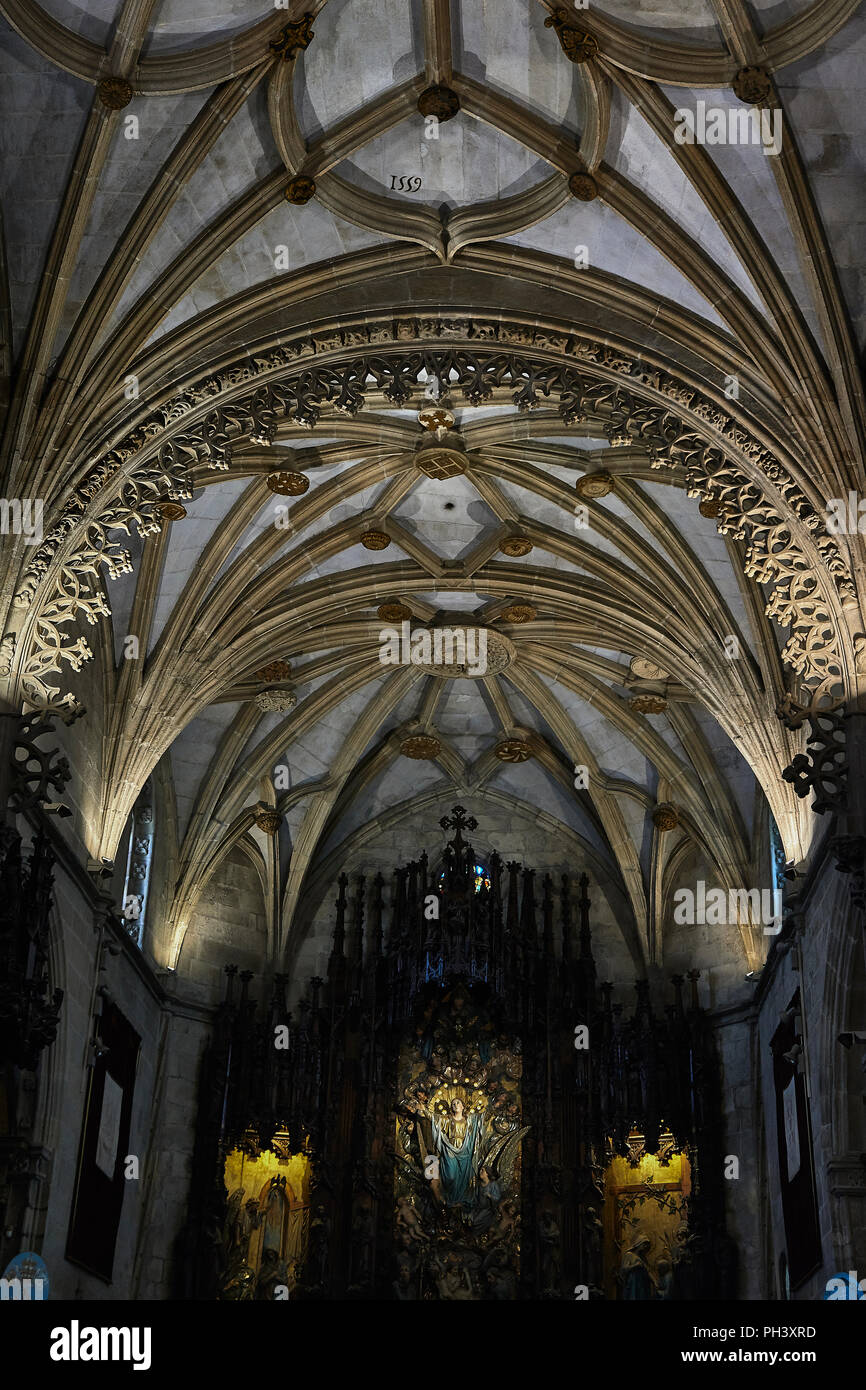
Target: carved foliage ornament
x,y
665,816
583,187
753,85
460,649
440,102
121,490
597,484
519,613
274,671
515,546
114,93
288,483
7,654
420,747
648,704
111,502
276,700
393,612
267,819
293,38
375,540
300,189
577,45
513,750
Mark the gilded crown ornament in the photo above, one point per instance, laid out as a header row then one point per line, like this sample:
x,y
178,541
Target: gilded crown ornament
x,y
577,45
594,485
439,101
114,93
666,816
287,483
583,187
293,38
375,540
300,189
422,747
515,546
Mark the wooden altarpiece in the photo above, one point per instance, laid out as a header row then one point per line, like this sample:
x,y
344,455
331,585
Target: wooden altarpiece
x,y
457,1087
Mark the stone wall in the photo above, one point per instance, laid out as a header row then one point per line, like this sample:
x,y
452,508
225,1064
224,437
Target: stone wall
x,y
228,926
828,968
173,1029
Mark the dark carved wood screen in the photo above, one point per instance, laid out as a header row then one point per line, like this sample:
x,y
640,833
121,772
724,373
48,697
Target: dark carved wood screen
x,y
457,1121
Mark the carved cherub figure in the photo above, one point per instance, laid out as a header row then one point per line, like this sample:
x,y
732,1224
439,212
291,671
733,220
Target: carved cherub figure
x,y
408,1220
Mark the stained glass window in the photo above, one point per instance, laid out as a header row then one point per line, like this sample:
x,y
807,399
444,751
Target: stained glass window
x,y
481,878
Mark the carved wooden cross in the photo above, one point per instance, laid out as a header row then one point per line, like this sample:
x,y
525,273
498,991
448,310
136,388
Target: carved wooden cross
x,y
458,820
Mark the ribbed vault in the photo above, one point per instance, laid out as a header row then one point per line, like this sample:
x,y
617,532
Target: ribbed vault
x,y
268,303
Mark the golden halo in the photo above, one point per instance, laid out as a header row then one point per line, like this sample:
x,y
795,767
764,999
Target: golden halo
x,y
473,1099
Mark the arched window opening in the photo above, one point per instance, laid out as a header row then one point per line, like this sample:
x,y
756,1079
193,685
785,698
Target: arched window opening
x,y
138,863
777,856
480,879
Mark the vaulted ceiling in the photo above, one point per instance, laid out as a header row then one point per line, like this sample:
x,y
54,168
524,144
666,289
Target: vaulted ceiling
x,y
233,249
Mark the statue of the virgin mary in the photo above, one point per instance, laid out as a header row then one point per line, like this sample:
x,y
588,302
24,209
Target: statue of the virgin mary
x,y
457,1128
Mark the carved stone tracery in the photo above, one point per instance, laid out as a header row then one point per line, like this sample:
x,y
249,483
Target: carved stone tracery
x,y
824,768
35,770
588,380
